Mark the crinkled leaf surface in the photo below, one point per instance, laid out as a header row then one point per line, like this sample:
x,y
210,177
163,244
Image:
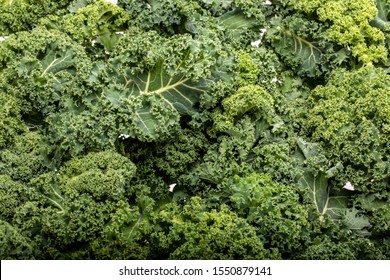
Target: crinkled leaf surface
x,y
326,199
320,192
382,22
178,92
355,222
55,62
237,22
178,95
306,52
302,53
316,181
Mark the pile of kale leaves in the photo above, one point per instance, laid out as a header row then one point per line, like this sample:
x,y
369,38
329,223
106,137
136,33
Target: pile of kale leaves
x,y
195,129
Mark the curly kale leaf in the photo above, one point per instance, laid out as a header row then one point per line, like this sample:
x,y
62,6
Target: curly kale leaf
x,y
259,66
13,244
234,17
165,15
23,160
247,136
279,218
19,15
345,248
75,204
226,156
141,92
315,179
349,26
348,118
320,193
41,68
104,175
100,21
328,201
300,43
195,233
376,207
170,158
125,235
10,120
12,195
314,37
381,21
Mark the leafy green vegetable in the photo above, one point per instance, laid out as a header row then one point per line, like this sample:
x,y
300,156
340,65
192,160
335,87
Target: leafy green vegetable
x,y
19,15
10,120
275,210
200,129
349,25
198,234
348,117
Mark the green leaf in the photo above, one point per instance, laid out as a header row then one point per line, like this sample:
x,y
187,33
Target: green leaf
x,y
56,61
76,5
324,201
108,40
237,22
146,121
152,100
356,223
383,7
328,201
309,150
373,202
178,92
130,222
316,182
381,20
306,53
53,60
300,51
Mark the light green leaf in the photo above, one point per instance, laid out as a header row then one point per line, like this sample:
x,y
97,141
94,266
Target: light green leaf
x,y
146,121
309,150
108,40
56,61
316,181
222,3
178,92
306,53
237,22
114,97
383,7
356,223
381,20
320,192
76,5
373,202
303,54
